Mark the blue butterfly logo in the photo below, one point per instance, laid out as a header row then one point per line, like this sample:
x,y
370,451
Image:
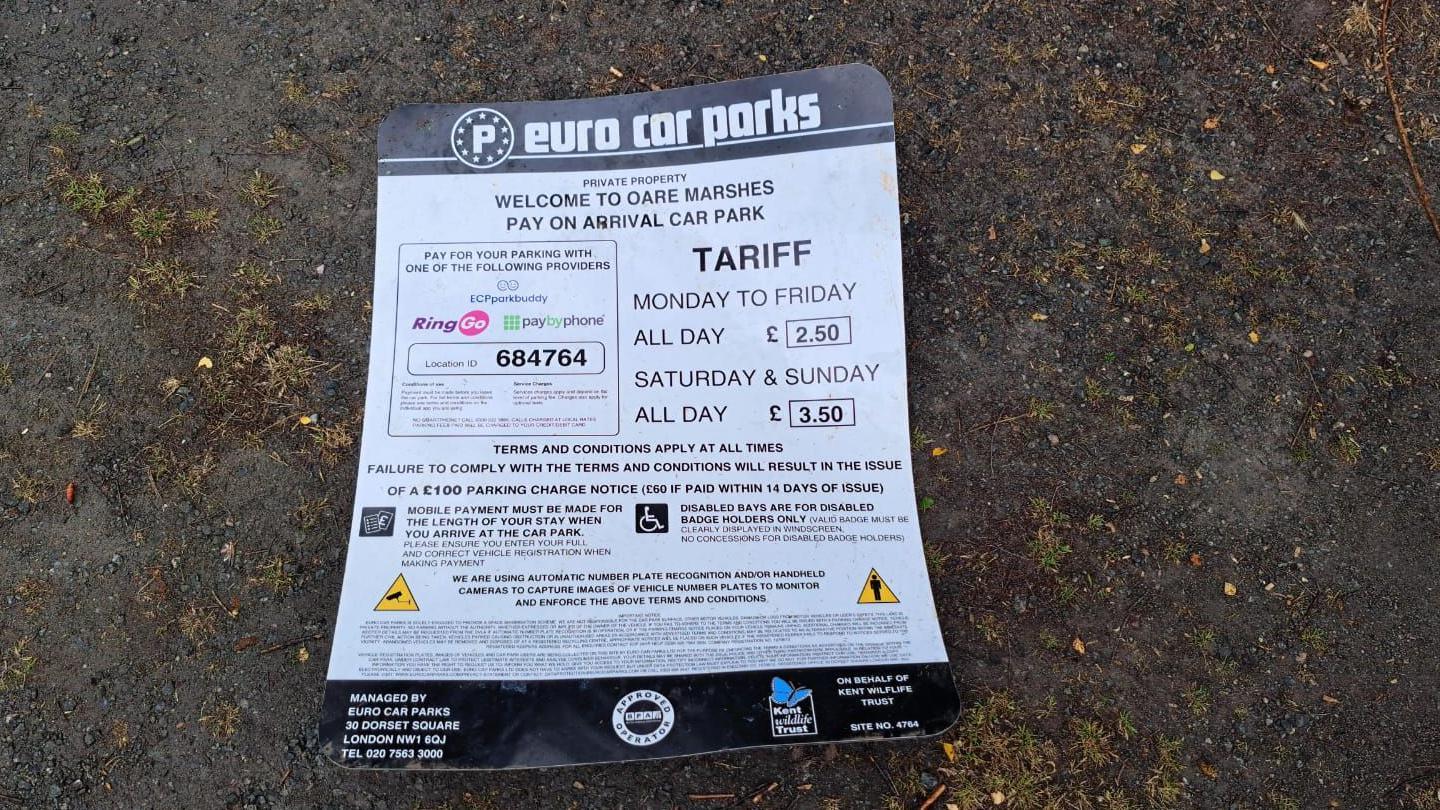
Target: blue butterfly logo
x,y
782,693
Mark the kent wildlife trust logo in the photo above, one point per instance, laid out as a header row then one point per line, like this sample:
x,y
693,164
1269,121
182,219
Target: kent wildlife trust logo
x,y
792,709
482,138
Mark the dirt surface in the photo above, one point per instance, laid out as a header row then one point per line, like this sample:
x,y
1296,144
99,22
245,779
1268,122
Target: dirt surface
x,y
1171,304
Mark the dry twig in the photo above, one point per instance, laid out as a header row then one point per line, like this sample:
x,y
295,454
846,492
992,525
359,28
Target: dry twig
x,y
1421,195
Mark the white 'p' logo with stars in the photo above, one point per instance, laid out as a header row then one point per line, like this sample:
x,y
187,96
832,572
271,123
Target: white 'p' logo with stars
x,y
482,138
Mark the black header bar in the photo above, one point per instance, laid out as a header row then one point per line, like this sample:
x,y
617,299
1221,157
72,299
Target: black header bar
x,y
822,108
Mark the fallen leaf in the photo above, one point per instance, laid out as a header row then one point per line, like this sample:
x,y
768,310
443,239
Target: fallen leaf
x,y
997,797
991,234
205,362
1230,589
1270,70
938,452
1254,336
616,73
763,58
302,655
305,420
1329,699
1318,64
1211,124
1078,646
1137,148
1181,479
245,642
1216,175
949,749
1204,245
1196,560
1208,769
1039,316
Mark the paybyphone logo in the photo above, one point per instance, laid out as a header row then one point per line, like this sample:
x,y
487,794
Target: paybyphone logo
x,y
515,323
482,138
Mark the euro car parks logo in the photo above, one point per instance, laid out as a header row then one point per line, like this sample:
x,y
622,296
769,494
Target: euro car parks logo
x,y
482,138
643,717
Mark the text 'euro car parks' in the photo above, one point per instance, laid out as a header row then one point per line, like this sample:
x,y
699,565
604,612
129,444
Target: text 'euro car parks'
x,y
635,476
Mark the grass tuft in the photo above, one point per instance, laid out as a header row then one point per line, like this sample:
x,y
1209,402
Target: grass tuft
x,y
28,488
160,279
263,228
222,720
261,189
15,666
202,220
85,195
151,226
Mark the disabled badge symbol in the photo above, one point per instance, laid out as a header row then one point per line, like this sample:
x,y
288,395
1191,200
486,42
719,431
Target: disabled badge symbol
x,y
652,518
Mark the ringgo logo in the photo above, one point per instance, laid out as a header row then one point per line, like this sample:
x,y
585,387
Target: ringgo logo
x,y
474,322
470,324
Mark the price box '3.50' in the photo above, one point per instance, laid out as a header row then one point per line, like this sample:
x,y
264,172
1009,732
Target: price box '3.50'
x,y
822,413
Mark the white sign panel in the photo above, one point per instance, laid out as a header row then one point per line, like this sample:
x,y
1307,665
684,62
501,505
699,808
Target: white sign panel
x,y
635,475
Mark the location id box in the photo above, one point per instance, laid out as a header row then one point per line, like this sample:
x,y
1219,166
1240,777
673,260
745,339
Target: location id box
x,y
506,339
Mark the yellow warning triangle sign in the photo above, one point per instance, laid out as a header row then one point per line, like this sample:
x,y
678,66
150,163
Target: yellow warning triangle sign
x,y
398,596
876,592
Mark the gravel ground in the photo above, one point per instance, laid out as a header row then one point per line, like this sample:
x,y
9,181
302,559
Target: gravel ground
x,y
1171,303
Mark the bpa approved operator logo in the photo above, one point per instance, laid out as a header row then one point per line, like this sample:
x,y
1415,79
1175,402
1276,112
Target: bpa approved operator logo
x,y
482,138
643,717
